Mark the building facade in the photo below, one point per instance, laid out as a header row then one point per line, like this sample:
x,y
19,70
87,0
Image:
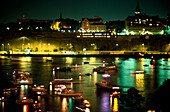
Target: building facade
x,y
93,25
141,24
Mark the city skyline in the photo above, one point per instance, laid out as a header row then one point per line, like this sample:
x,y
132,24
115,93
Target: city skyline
x,y
109,10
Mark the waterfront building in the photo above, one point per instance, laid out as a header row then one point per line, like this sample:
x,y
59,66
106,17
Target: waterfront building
x,y
167,31
116,27
141,24
94,24
65,25
33,25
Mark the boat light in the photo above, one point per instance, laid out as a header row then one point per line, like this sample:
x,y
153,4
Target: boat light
x,y
24,98
42,86
105,75
115,87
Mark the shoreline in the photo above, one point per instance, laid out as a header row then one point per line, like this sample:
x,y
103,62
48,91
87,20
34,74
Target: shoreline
x,y
93,55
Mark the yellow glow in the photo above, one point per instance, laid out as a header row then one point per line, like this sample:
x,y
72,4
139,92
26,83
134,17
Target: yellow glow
x,y
55,26
115,105
111,101
151,111
64,104
72,85
95,77
80,77
140,81
92,59
53,74
69,59
25,58
87,110
2,106
25,108
117,58
22,91
39,98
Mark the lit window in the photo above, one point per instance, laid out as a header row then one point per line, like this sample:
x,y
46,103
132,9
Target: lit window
x,y
150,24
150,19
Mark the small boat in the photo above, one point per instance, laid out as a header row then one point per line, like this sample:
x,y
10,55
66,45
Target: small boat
x,y
25,101
62,69
145,65
88,74
114,94
101,69
166,68
39,88
3,99
59,88
69,93
20,78
152,61
36,105
49,59
104,85
139,72
85,62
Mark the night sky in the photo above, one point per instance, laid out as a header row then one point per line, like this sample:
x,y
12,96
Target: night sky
x,y
109,10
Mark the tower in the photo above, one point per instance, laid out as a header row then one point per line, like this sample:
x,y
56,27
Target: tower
x,y
60,16
137,11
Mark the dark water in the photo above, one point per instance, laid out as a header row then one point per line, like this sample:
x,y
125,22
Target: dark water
x,y
42,73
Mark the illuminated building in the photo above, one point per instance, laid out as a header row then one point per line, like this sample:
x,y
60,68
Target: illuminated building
x,y
141,24
34,25
93,25
167,31
65,25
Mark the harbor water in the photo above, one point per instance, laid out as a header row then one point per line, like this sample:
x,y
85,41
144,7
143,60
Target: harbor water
x,y
41,69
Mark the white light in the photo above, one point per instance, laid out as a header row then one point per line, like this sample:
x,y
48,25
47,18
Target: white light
x,y
115,87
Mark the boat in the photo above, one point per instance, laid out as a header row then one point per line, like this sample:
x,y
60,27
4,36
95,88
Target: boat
x,y
62,81
25,101
88,74
86,62
3,99
152,61
105,85
102,69
20,78
145,65
62,69
139,72
166,68
69,93
39,88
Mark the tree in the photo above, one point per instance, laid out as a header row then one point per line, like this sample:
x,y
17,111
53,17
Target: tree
x,y
161,97
132,100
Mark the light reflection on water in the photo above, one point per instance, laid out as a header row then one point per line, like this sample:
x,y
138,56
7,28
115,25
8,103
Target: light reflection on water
x,y
42,73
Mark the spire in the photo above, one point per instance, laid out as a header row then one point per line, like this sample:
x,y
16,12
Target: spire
x,y
60,15
137,11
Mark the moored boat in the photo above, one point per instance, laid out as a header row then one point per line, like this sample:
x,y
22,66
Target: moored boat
x,y
104,85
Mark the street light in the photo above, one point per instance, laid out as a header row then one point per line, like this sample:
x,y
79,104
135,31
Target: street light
x,y
23,40
8,46
143,47
2,47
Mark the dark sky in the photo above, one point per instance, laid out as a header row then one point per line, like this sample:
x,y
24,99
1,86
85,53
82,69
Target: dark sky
x,y
109,10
